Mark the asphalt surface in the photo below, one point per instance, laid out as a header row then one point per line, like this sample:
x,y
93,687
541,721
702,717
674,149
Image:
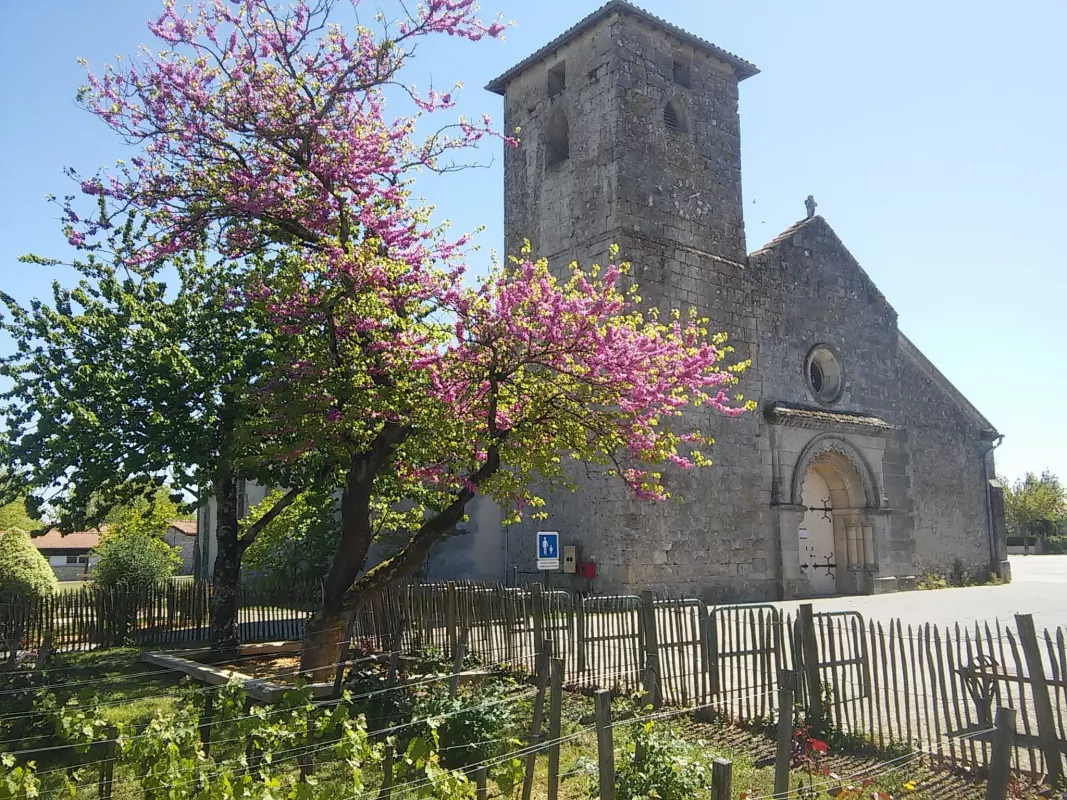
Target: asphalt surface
x,y
1038,587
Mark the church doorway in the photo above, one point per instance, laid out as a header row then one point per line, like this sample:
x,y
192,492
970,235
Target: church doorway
x,y
818,551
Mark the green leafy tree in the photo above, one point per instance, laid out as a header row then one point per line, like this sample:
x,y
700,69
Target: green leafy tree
x,y
299,544
124,388
1033,504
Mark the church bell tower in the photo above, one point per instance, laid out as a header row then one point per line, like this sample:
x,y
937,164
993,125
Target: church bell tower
x,y
629,134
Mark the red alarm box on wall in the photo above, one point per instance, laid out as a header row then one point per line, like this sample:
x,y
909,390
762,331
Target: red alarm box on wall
x,y
587,570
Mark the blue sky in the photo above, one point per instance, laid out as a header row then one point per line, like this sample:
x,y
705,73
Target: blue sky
x,y
931,134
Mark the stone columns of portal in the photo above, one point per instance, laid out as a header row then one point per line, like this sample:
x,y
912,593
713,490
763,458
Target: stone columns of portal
x,y
793,582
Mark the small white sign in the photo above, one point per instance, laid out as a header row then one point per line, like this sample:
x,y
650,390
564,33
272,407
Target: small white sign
x,y
803,533
548,550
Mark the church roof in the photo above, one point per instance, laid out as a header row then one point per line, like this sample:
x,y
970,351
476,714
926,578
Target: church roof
x,y
786,234
744,69
935,376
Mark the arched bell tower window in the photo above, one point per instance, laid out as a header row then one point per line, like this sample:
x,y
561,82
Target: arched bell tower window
x,y
557,139
674,117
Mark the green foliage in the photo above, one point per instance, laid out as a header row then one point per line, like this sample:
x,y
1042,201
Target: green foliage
x,y
472,727
14,515
421,763
299,544
134,560
670,769
151,513
932,580
24,572
18,782
1034,504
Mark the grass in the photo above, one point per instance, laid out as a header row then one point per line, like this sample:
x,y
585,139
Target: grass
x,y
136,693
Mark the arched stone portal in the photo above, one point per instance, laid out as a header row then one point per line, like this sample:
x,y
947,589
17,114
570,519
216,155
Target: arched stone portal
x,y
836,541
830,526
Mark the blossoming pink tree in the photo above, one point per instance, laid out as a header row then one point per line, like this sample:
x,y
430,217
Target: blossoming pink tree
x,y
264,135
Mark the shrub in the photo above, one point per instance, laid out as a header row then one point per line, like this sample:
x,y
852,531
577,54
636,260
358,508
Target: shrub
x,y
472,727
24,572
671,768
134,560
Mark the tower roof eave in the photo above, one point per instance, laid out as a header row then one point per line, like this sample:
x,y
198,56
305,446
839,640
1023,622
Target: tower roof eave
x,y
743,69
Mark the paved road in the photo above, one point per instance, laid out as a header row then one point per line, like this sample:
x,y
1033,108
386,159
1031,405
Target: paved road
x,y
1038,587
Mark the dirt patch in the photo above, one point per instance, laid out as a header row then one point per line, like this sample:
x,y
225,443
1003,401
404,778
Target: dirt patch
x,y
278,667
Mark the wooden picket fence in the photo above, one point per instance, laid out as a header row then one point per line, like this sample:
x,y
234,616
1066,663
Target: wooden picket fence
x,y
926,688
174,612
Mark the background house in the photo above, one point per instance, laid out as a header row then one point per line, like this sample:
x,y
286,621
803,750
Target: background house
x,y
71,559
182,534
69,556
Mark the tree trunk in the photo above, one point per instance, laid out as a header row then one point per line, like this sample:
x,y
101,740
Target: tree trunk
x,y
224,630
324,634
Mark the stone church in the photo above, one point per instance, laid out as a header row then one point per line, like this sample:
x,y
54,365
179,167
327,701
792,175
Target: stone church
x,y
863,466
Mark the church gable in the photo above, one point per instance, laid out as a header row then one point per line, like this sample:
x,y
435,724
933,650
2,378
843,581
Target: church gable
x,y
810,297
814,254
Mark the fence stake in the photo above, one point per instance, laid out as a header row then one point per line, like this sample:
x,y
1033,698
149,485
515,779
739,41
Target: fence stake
x,y
555,712
652,665
107,766
810,657
207,720
1000,762
457,662
535,726
1046,722
346,645
722,779
390,751
451,624
605,745
536,597
481,782
44,654
787,684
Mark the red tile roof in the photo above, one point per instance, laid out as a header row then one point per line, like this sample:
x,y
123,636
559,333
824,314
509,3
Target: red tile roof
x,y
186,526
79,540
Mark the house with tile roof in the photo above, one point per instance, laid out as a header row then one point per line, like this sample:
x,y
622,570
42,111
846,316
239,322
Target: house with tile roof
x,y
71,558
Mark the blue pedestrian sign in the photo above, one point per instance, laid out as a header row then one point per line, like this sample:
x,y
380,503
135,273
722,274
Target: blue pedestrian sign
x,y
547,550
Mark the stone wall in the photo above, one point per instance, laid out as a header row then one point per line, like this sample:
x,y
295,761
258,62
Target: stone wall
x,y
948,485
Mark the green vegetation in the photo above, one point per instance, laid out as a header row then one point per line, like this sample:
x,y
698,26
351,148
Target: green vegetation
x,y
134,560
297,546
1034,505
14,515
256,750
24,572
